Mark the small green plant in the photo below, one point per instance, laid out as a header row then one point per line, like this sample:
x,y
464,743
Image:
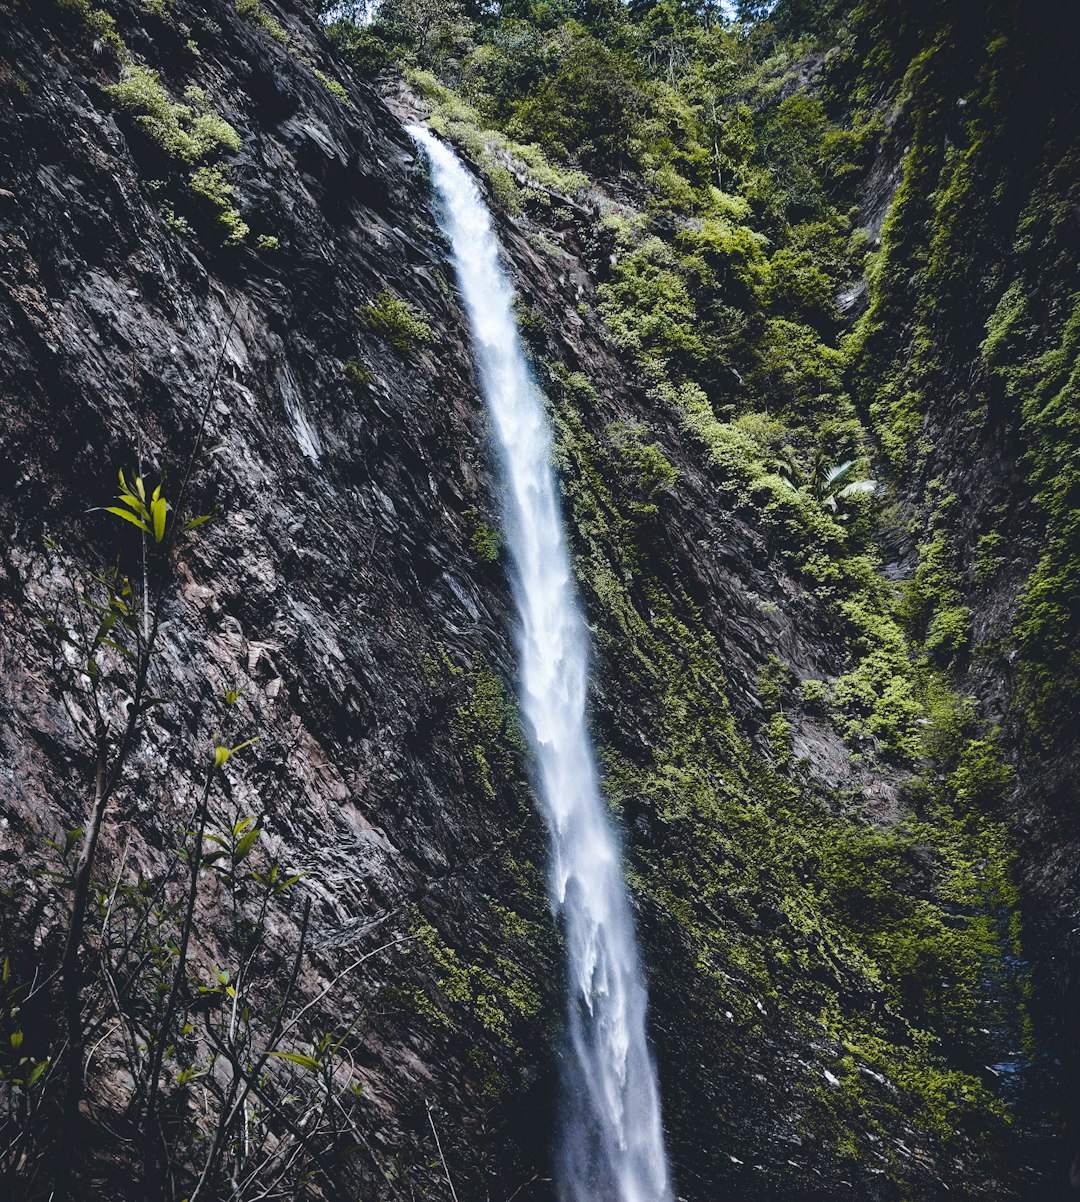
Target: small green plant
x,y
191,133
178,223
99,24
333,87
254,12
396,322
213,185
486,543
357,373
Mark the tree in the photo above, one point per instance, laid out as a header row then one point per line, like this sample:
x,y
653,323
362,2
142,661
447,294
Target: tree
x,y
832,486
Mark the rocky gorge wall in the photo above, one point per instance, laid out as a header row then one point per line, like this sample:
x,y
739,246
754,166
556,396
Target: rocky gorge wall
x,y
339,587
813,813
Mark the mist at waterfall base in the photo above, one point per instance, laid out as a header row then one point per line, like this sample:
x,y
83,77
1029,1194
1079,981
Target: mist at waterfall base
x,y
611,1146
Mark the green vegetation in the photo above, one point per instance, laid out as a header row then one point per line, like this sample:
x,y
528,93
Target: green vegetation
x,y
254,12
712,171
333,87
212,183
192,133
219,1032
882,934
396,322
823,866
486,539
98,24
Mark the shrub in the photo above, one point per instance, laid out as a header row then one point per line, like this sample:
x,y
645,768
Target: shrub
x,y
191,132
396,322
212,184
257,15
333,87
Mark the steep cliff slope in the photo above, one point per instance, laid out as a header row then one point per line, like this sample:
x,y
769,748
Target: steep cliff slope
x,y
338,588
814,795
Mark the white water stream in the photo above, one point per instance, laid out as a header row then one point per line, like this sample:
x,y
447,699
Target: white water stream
x,y
611,1142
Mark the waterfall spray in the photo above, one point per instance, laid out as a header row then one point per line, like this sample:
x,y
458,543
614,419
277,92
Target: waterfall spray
x,y
611,1142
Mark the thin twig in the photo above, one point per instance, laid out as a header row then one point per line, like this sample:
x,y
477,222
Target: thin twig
x,y
525,1185
438,1144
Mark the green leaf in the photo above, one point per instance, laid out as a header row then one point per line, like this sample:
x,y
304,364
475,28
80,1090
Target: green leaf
x,y
127,516
16,1039
193,523
858,488
134,503
124,651
308,1062
245,844
159,509
221,754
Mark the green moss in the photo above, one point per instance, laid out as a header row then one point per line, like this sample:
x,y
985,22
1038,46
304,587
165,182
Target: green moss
x,y
932,606
988,557
646,474
1047,623
485,728
908,920
494,997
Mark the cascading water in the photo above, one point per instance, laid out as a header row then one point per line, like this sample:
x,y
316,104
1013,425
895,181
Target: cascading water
x,y
611,1146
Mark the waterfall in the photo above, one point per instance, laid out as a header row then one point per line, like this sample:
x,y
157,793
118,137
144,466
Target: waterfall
x,y
611,1142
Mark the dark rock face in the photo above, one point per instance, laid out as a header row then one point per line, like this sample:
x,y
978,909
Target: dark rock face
x,y
339,578
342,587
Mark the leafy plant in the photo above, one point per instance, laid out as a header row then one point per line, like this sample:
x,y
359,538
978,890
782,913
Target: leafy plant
x,y
192,133
831,485
396,321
